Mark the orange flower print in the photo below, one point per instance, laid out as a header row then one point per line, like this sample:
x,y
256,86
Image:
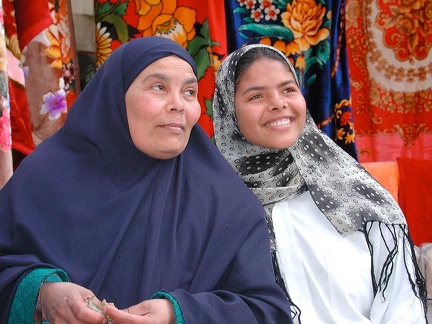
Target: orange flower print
x,y
143,7
53,50
59,37
280,45
300,63
176,23
408,5
292,48
304,18
103,45
406,27
407,24
265,41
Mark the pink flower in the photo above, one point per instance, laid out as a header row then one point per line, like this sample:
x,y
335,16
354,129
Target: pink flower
x,y
54,104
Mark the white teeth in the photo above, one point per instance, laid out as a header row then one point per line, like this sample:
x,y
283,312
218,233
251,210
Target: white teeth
x,y
280,122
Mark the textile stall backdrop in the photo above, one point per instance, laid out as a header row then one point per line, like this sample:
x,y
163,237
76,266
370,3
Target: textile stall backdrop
x,y
390,59
37,77
311,33
374,100
199,26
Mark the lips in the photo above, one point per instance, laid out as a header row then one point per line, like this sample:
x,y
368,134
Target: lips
x,y
174,128
174,125
279,122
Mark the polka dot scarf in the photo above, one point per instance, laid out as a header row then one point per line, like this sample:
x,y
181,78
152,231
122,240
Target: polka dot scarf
x,y
346,194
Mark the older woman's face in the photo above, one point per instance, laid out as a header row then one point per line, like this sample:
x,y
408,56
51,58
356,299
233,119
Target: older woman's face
x,y
270,109
162,107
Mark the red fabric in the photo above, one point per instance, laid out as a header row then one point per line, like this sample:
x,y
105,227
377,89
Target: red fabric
x,y
31,18
415,197
22,139
389,54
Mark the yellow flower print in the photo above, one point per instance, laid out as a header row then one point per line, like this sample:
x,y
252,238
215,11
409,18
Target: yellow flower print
x,y
59,37
304,18
103,45
215,61
178,25
53,50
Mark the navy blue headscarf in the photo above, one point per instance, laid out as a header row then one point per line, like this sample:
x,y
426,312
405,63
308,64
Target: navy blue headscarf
x,y
126,225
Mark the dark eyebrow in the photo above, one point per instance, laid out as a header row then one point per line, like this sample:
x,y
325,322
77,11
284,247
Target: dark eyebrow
x,y
164,77
280,85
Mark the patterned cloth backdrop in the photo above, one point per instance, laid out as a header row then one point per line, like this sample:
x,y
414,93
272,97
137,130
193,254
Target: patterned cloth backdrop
x,y
196,24
5,127
311,34
390,57
40,71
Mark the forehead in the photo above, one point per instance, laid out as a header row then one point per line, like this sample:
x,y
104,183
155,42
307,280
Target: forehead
x,y
171,62
265,69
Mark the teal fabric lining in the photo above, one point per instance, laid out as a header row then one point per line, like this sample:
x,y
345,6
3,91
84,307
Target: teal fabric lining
x,y
24,302
178,313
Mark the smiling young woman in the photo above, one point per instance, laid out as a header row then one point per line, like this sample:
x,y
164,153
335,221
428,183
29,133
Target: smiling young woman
x,y
340,243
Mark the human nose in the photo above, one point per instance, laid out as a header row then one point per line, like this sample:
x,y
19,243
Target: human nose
x,y
176,102
277,103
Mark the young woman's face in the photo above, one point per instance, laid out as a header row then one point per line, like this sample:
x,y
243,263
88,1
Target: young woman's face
x,y
162,107
270,109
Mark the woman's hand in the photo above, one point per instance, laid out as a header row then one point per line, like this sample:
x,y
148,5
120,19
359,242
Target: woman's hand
x,y
154,311
64,302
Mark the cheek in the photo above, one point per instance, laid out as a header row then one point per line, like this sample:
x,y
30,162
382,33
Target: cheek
x,y
194,112
247,118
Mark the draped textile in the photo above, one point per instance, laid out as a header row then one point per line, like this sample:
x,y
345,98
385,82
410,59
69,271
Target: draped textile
x,y
199,26
5,127
41,69
390,59
415,197
311,34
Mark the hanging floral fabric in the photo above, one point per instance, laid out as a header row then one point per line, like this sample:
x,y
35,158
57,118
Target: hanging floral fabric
x,y
311,34
5,127
199,26
41,69
390,57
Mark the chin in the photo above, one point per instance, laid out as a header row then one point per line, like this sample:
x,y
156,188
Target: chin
x,y
170,153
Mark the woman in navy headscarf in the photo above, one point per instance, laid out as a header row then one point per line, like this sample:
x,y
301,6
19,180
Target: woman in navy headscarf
x,y
131,203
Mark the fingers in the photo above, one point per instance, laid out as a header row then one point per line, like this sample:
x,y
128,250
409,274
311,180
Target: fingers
x,y
120,316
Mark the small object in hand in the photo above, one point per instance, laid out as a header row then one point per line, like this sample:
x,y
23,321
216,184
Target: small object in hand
x,y
97,306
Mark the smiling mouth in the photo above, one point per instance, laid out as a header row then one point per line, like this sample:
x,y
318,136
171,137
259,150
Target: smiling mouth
x,y
281,122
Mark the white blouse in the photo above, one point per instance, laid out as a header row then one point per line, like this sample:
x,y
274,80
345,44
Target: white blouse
x,y
328,276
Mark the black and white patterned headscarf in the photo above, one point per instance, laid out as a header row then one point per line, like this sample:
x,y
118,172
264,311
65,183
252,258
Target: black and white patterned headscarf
x,y
346,193
340,187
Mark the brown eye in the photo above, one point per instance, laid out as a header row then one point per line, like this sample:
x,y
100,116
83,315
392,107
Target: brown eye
x,y
158,87
254,97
